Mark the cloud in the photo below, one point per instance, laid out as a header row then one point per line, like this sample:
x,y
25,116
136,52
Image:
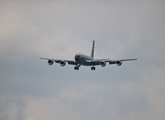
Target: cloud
x,y
30,89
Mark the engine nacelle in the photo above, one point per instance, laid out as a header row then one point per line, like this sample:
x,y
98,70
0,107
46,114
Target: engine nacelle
x,y
119,63
62,63
50,62
102,63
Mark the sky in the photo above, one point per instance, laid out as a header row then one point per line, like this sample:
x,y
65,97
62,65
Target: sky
x,y
30,89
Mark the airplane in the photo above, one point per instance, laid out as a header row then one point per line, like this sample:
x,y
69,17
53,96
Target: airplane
x,y
85,60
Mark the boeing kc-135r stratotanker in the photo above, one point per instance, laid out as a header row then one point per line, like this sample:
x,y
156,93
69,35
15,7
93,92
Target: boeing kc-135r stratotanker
x,y
85,60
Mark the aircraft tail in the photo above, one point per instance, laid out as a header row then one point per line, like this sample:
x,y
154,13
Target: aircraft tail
x,y
92,52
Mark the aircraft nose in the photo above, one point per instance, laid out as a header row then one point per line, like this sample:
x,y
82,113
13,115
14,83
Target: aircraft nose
x,y
77,57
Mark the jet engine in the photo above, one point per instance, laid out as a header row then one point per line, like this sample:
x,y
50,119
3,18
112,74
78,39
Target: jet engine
x,y
62,63
102,63
50,62
119,63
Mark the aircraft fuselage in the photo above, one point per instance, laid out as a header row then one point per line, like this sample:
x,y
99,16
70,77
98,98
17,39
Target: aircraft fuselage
x,y
81,59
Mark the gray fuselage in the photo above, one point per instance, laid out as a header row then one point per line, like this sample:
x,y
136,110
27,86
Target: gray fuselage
x,y
81,59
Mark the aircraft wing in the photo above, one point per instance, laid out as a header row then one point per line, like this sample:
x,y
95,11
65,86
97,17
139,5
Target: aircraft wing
x,y
127,59
98,61
116,61
70,62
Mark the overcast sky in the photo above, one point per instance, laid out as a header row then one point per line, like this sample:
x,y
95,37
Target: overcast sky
x,y
30,89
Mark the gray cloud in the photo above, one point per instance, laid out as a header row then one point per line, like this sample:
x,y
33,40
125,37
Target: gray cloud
x,y
30,89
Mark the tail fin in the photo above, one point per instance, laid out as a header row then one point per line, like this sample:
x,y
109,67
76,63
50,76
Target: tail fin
x,y
92,52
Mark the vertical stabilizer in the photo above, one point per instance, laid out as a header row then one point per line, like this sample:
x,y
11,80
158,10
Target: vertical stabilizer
x,y
92,52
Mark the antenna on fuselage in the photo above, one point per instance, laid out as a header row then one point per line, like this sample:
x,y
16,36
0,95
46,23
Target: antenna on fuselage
x,y
92,52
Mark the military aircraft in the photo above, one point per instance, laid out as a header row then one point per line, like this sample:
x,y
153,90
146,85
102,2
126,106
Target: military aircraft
x,y
85,60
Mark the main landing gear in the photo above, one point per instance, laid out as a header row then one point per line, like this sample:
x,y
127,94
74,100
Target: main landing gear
x,y
93,68
76,68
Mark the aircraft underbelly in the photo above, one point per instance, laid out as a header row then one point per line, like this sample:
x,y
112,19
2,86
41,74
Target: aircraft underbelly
x,y
83,62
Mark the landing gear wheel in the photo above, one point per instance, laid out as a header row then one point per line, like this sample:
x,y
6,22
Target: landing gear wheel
x,y
93,68
76,68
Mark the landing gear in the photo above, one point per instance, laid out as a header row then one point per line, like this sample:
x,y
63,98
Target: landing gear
x,y
76,68
93,68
